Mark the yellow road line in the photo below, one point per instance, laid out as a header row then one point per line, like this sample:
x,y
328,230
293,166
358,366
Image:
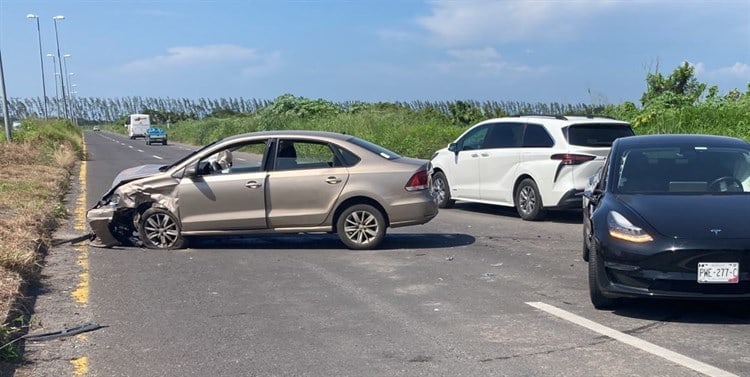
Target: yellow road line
x,y
80,366
81,293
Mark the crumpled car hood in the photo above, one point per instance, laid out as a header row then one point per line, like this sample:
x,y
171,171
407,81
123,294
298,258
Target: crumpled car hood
x,y
134,173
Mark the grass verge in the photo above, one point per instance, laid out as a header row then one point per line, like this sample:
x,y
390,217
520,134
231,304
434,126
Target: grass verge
x,y
35,171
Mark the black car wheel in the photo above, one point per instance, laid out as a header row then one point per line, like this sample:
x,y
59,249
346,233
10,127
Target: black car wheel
x,y
597,297
361,227
160,229
442,190
528,201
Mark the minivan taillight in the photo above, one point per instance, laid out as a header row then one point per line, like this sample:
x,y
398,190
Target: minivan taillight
x,y
419,181
572,158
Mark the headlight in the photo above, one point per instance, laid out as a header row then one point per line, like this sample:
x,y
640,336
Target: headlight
x,y
621,228
114,200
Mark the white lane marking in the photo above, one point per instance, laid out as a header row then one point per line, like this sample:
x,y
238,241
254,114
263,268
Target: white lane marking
x,y
155,156
130,146
641,344
140,150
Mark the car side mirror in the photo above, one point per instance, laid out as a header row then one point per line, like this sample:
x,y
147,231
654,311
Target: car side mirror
x,y
453,147
593,195
191,171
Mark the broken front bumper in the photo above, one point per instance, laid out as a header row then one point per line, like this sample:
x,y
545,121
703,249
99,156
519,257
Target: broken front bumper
x,y
99,220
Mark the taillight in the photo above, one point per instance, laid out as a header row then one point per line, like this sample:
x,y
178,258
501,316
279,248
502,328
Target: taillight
x,y
419,181
572,159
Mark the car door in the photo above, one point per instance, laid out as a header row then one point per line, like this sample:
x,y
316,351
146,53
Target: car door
x,y
463,171
304,184
228,192
498,162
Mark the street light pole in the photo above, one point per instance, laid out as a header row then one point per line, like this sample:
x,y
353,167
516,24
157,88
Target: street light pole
x,y
57,92
68,100
60,62
6,117
71,98
41,60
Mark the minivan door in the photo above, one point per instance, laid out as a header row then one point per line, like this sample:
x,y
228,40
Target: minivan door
x,y
499,160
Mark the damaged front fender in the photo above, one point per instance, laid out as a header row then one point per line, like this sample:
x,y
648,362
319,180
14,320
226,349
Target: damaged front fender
x,y
113,219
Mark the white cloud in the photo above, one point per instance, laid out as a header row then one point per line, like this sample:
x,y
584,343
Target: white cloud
x,y
463,22
216,56
268,64
483,62
736,71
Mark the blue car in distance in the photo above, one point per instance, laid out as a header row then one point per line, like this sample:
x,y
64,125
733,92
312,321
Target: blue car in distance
x,y
156,135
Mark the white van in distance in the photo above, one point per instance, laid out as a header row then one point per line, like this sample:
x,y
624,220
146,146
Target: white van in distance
x,y
137,125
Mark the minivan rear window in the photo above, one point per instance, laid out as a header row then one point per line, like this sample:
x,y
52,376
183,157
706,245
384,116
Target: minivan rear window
x,y
596,134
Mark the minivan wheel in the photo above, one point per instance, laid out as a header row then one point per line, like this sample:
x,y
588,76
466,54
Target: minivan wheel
x,y
361,227
442,190
528,201
598,299
160,229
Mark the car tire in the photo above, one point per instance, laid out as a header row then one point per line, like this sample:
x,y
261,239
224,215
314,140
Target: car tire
x,y
598,299
529,201
361,227
158,228
164,143
441,188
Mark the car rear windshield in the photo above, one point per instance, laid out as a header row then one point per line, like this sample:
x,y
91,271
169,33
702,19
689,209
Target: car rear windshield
x,y
596,134
374,148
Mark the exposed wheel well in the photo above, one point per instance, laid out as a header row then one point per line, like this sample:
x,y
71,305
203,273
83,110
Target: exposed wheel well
x,y
358,200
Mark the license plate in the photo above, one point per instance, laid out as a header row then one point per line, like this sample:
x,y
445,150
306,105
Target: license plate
x,y
728,273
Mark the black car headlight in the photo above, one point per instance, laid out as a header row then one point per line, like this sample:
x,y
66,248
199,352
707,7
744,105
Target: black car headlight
x,y
621,228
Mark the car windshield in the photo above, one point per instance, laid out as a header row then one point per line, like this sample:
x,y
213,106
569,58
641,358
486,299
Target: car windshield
x,y
374,148
596,135
683,170
189,155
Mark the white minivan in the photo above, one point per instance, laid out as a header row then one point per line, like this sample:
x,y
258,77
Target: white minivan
x,y
137,125
533,163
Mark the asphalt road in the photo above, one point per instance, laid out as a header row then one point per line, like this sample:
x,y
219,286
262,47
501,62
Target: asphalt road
x,y
475,292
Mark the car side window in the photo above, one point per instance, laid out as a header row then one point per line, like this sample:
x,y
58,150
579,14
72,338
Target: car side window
x,y
303,154
536,136
504,135
474,139
347,157
236,159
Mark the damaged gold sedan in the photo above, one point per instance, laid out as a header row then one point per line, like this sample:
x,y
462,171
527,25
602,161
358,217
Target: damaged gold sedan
x,y
267,182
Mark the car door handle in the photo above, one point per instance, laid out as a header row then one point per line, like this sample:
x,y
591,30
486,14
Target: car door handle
x,y
252,184
333,180
485,155
474,155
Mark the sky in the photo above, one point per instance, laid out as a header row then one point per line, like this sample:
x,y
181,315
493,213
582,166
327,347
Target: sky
x,y
565,51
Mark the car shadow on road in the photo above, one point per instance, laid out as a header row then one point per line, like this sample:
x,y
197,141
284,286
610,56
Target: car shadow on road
x,y
393,241
573,216
699,312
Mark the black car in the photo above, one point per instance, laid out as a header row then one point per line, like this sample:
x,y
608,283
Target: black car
x,y
667,217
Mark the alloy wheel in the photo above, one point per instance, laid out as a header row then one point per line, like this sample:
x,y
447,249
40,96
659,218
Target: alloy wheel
x,y
161,230
361,227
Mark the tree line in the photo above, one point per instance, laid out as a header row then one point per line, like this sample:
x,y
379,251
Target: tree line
x,y
108,110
